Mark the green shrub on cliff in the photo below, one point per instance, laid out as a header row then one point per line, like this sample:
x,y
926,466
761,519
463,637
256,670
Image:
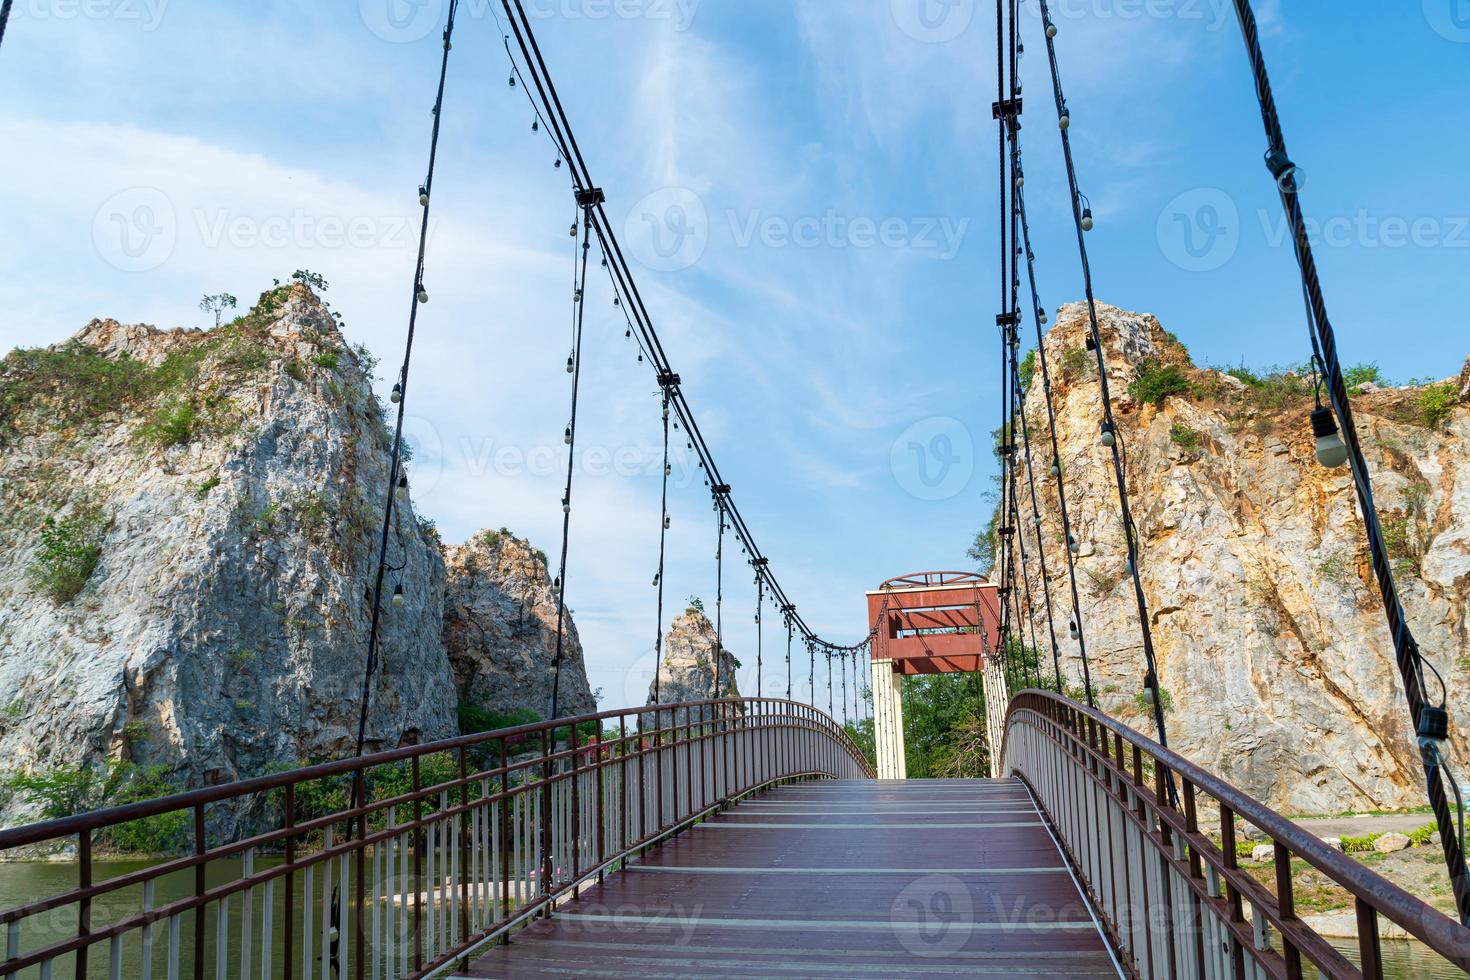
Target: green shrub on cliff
x,y
69,551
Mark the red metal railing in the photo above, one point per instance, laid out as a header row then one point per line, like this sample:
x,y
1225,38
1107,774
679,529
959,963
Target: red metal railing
x,y
1175,901
456,844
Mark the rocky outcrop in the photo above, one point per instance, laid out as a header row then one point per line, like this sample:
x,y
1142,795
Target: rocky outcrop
x,y
687,672
189,533
500,630
1267,622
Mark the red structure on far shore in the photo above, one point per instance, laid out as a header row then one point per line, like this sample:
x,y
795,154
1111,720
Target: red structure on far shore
x,y
935,622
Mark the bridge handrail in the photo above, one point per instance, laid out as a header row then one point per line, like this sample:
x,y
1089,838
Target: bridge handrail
x,y
1210,873
544,818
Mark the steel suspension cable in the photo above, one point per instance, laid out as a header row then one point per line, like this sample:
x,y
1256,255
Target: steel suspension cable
x,y
719,592
1057,471
395,459
1056,655
1112,438
579,300
787,612
1430,722
658,576
760,598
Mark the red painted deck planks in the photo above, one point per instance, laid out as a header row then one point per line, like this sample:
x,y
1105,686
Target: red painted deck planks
x,y
924,878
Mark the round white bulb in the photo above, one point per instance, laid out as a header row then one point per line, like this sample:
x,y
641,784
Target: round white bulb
x,y
1332,452
1087,222
423,295
1051,30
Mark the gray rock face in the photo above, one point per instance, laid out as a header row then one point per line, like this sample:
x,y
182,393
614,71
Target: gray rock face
x,y
1266,620
215,500
688,669
239,482
500,630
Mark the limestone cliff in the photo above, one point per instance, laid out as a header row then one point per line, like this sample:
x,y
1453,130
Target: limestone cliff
x,y
500,630
688,669
190,525
1268,626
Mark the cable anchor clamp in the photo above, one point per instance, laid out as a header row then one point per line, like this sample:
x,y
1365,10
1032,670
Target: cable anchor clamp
x,y
591,197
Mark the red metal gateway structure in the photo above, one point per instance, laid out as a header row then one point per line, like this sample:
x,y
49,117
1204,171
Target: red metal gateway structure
x,y
930,623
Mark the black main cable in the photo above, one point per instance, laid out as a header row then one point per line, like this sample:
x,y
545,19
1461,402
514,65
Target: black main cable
x,y
395,461
550,112
1410,660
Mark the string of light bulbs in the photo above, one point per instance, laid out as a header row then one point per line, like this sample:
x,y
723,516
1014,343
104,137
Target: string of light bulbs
x,y
1338,446
1083,223
398,482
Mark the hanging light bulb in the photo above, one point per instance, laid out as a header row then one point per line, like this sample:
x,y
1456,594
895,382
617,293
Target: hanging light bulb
x,y
512,81
558,163
667,522
617,301
566,506
398,596
1056,469
1072,545
628,333
535,125
424,195
1109,438
577,296
655,579
574,229
1087,219
1332,452
1020,180
1065,119
571,363
1090,342
1051,29
396,395
668,470
423,294
1040,316
1072,628
402,491
567,437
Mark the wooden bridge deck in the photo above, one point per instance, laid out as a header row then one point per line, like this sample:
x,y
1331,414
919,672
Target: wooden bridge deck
x,y
924,878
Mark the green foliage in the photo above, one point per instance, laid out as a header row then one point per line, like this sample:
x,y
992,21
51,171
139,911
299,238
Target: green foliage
x,y
294,370
69,790
241,659
1359,375
203,489
326,359
1076,363
1157,381
937,708
69,551
1191,441
217,303
1436,403
1275,388
261,522
1143,701
541,557
1358,845
1335,568
309,278
77,382
135,731
982,549
1027,369
696,604
863,735
173,425
474,719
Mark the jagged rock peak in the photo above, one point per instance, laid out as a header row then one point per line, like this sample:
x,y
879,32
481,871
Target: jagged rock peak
x,y
687,672
500,630
217,495
1267,625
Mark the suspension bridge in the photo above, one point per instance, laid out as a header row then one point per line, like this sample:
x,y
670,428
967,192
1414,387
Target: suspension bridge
x,y
752,836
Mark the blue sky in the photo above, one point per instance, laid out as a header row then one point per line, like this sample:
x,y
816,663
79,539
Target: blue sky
x,y
832,308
